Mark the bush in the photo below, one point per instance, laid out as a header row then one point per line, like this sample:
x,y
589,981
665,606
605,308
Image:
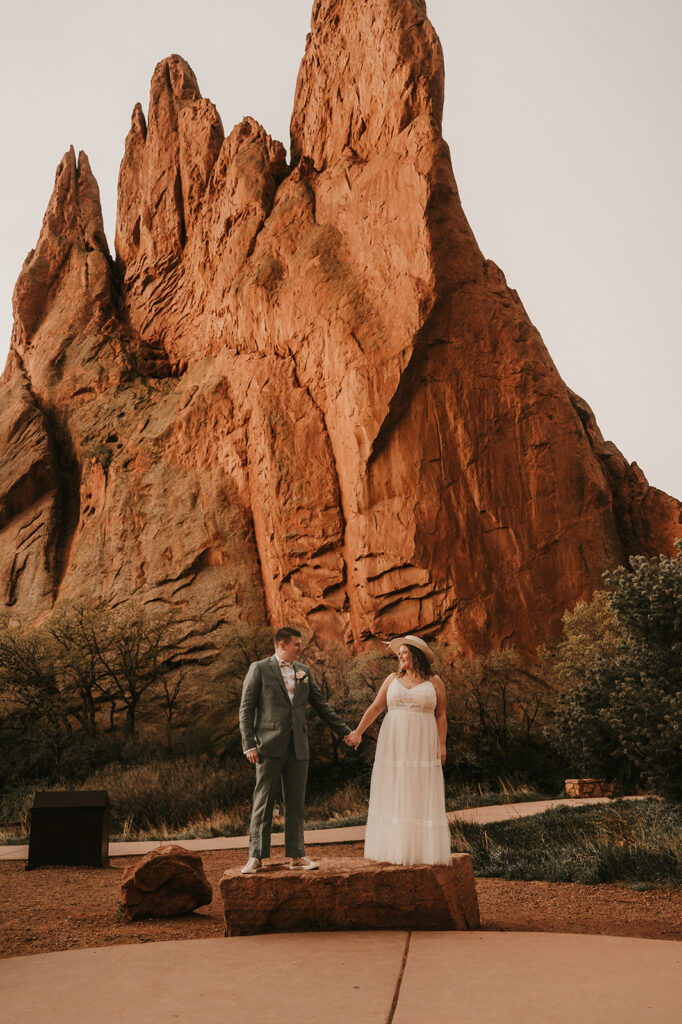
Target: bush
x,y
622,718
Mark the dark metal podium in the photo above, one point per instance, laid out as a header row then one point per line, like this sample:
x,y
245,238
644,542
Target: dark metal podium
x,y
70,828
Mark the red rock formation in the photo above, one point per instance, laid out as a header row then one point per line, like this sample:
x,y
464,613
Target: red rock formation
x,y
351,893
303,385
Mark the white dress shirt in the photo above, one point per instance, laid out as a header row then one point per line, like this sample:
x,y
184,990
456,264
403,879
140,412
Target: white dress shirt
x,y
288,675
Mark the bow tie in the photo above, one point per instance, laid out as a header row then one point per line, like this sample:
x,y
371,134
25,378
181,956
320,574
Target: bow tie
x,y
287,664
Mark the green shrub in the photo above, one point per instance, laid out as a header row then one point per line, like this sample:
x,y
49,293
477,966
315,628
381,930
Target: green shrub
x,y
102,453
638,841
622,718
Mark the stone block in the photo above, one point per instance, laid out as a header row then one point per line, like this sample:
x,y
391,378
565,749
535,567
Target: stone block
x,y
347,894
589,788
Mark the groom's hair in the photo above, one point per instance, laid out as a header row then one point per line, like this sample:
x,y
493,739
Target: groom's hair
x,y
286,633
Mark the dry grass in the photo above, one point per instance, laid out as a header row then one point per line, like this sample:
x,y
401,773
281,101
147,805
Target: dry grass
x,y
192,798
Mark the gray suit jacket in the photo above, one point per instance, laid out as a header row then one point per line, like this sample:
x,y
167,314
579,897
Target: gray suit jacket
x,y
267,717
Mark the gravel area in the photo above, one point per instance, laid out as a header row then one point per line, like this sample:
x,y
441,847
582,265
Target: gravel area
x,y
51,909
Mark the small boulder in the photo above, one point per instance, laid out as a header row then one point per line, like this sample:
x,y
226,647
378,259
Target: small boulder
x,y
167,882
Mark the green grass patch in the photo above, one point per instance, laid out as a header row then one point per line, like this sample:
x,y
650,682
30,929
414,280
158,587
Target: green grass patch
x,y
636,841
459,796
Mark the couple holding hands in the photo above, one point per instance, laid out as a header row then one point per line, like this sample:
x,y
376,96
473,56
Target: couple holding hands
x,y
406,821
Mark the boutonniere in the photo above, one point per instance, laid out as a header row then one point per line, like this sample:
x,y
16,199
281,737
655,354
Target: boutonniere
x,y
300,676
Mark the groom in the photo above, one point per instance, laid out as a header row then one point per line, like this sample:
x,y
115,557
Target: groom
x,y
272,719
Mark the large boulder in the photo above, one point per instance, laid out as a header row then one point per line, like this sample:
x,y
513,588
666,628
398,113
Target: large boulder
x,y
345,894
166,882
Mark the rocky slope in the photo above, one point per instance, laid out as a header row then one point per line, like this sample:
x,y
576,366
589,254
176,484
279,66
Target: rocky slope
x,y
301,387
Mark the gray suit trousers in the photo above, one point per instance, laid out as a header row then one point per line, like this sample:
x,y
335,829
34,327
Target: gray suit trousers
x,y
272,773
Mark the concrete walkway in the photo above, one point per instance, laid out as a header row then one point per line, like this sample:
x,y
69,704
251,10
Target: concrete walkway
x,y
503,812
354,834
365,977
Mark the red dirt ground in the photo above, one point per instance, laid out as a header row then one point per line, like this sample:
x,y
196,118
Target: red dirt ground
x,y
51,909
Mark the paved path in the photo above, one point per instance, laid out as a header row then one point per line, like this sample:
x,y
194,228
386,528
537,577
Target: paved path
x,y
503,812
342,977
354,834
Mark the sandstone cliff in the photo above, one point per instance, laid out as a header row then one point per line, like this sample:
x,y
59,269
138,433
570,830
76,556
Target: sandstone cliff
x,y
301,386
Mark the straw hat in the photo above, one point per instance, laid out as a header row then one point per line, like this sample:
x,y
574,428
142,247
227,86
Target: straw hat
x,y
412,641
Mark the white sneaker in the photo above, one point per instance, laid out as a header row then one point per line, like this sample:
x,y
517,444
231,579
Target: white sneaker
x,y
303,864
252,866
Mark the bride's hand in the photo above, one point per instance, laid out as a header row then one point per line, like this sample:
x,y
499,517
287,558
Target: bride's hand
x,y
353,739
443,754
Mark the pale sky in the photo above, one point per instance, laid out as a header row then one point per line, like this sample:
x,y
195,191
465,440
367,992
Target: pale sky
x,y
563,119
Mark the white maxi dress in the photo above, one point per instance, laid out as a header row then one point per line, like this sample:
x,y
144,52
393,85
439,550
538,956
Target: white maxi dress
x,y
406,821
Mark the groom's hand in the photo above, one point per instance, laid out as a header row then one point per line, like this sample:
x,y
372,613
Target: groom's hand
x,y
252,756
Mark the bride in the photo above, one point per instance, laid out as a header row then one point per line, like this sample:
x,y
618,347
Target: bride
x,y
406,821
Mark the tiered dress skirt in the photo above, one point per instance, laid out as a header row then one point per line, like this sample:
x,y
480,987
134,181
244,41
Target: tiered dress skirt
x,y
406,821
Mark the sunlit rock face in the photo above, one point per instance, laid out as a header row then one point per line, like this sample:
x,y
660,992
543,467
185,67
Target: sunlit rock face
x,y
299,388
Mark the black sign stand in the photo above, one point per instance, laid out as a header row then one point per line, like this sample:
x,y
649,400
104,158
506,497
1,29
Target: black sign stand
x,y
70,828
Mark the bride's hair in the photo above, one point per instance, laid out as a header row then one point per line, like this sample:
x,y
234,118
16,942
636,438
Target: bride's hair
x,y
420,663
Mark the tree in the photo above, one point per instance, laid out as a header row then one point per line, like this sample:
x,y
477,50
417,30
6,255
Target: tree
x,y
169,700
591,637
624,718
31,702
136,650
496,713
70,630
590,634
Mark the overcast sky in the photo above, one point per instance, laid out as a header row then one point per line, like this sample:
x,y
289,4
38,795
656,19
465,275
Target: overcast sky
x,y
563,119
